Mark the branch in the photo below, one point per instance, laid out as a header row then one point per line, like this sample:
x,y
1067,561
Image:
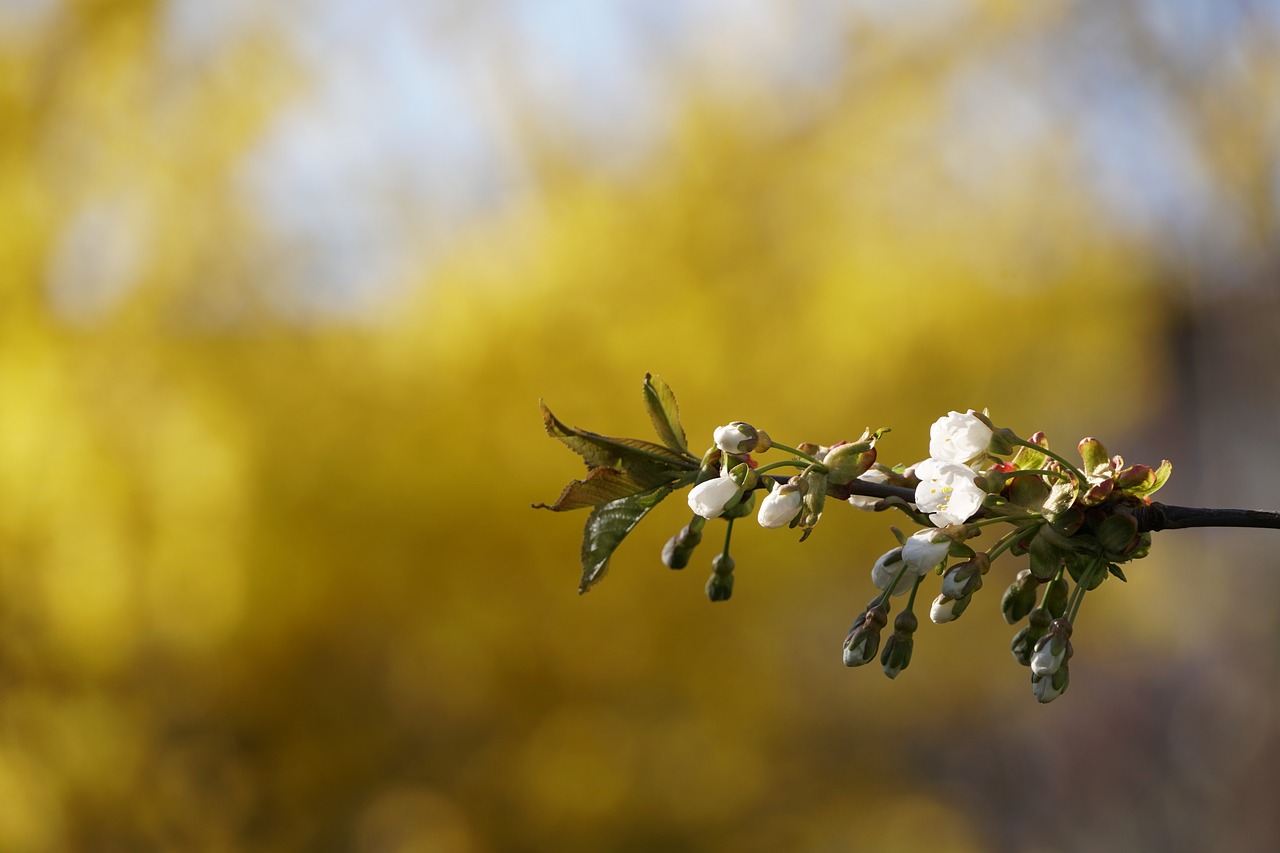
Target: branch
x,y
1158,516
1151,518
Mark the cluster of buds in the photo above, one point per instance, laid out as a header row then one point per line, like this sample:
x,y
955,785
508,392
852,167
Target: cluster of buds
x,y
1075,523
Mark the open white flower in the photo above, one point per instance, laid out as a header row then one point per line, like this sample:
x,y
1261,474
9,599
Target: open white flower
x,y
958,438
872,475
780,506
709,499
922,553
947,492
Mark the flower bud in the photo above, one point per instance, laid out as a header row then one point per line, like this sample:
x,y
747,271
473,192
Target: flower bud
x,y
887,568
1019,598
710,499
863,640
1051,649
1046,688
925,549
948,609
781,505
846,462
763,441
1056,597
962,579
720,586
897,653
679,548
723,564
737,437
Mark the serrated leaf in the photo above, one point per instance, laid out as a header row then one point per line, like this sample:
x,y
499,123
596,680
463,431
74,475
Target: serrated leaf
x,y
660,400
607,526
602,451
602,485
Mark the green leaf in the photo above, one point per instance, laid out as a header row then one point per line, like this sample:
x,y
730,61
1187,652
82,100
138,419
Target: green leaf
x,y
1029,490
1117,534
624,454
663,411
1028,459
603,485
1061,496
1162,476
1046,558
607,526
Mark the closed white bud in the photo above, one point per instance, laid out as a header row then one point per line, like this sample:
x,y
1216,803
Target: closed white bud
x,y
780,506
710,499
736,437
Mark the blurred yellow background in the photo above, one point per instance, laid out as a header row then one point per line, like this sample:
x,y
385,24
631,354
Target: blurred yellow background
x,y
280,289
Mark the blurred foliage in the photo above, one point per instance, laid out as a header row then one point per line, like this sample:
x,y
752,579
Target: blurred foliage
x,y
274,584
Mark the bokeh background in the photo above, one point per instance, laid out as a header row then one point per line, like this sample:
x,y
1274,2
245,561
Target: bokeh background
x,y
280,288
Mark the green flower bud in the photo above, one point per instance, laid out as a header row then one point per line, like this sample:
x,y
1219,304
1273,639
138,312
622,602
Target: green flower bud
x,y
1019,597
846,462
1024,642
1056,597
897,653
962,580
863,639
679,548
1046,688
720,586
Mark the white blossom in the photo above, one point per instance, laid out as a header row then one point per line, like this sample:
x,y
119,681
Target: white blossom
x,y
1048,656
736,437
887,568
710,498
947,492
944,610
779,506
958,438
922,553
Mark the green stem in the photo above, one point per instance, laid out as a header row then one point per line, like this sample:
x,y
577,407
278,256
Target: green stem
x,y
911,602
1009,475
728,534
794,463
798,453
1077,594
1007,541
888,591
1044,598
